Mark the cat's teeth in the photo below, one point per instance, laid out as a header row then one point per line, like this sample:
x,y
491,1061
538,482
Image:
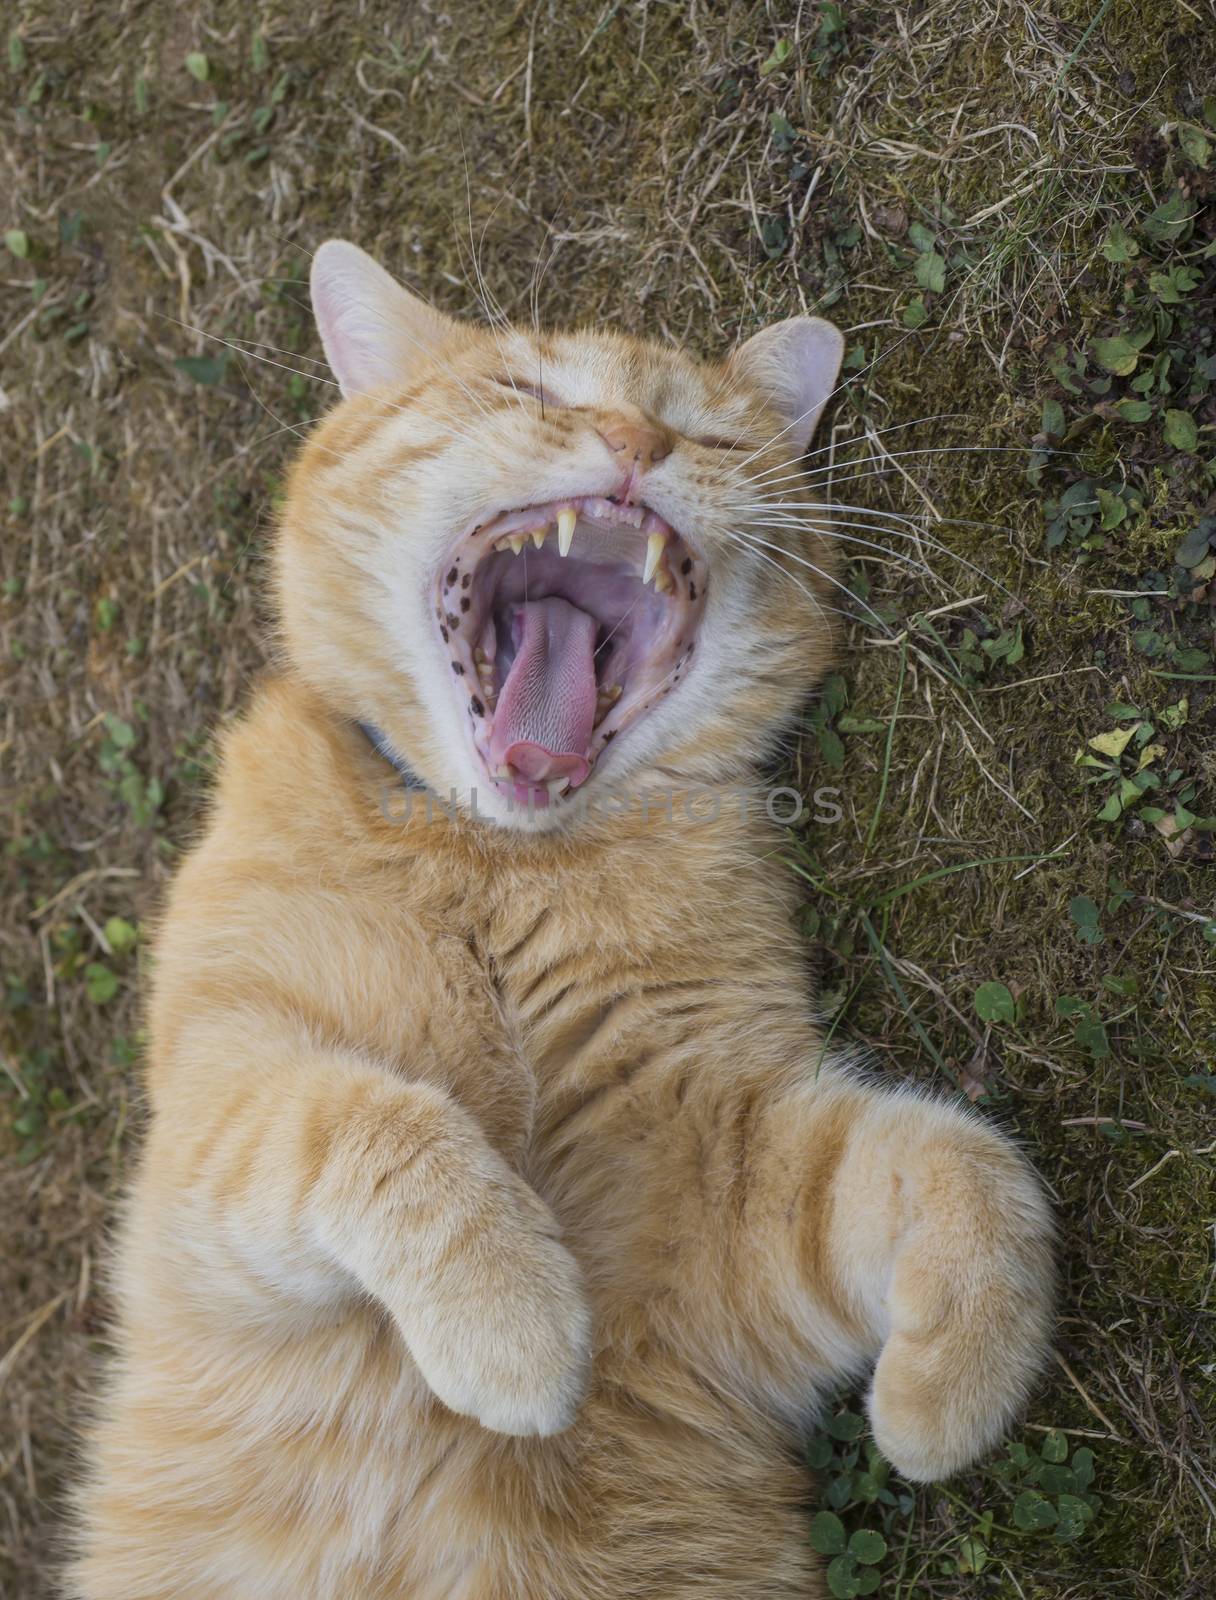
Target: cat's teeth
x,y
566,521
516,541
557,787
604,702
663,581
504,773
655,546
480,657
538,537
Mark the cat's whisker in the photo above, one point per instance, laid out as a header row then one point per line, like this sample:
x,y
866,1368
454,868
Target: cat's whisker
x,y
830,528
283,427
881,356
287,427
539,275
821,473
493,306
850,538
820,404
823,518
830,531
858,477
844,471
453,422
496,317
790,577
792,555
483,293
770,474
363,305
604,643
752,543
835,506
400,332
832,509
261,344
894,427
240,350
894,522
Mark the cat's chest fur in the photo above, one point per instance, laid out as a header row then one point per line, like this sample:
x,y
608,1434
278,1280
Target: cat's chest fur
x,y
527,975
555,968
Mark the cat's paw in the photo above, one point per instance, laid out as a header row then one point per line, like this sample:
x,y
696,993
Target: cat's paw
x,y
968,1301
507,1340
966,1346
928,1421
465,1255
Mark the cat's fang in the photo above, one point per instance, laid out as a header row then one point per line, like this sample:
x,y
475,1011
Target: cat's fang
x,y
566,521
655,546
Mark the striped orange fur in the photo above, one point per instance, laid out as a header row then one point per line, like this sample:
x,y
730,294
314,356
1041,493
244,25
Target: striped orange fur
x,y
501,1221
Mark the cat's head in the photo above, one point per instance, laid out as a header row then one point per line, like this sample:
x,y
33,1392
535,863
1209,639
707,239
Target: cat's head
x,y
541,563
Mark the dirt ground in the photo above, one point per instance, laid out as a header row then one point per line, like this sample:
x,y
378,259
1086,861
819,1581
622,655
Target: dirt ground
x,y
1009,209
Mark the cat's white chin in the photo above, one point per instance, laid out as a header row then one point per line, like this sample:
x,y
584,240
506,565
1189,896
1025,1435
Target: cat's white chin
x,y
564,624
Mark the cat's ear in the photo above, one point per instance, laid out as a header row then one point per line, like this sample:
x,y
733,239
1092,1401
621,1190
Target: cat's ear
x,y
373,330
795,363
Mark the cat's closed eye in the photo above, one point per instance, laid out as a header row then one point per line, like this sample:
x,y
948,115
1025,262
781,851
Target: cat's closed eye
x,y
713,442
547,399
533,390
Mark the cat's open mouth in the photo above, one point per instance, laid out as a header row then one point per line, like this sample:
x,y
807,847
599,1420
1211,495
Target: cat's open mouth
x,y
566,623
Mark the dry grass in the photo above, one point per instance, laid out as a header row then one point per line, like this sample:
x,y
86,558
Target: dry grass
x,y
623,163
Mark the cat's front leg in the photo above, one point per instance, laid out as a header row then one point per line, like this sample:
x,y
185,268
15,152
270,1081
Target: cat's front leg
x,y
464,1254
908,1236
330,1176
926,1237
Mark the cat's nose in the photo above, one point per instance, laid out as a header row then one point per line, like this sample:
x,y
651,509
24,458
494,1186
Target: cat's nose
x,y
637,442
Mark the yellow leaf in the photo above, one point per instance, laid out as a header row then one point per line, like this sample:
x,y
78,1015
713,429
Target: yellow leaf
x,y
1149,754
1113,744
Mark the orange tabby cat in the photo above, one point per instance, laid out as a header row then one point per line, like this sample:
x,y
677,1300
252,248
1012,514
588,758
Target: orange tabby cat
x,y
501,1222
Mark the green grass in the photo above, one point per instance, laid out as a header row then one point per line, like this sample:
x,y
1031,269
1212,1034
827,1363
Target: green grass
x,y
1011,213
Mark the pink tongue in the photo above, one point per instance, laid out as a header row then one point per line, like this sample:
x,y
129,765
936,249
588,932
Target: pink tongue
x,y
546,710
